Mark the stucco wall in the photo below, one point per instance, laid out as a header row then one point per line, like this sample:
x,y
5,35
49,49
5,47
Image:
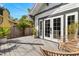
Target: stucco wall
x,y
5,19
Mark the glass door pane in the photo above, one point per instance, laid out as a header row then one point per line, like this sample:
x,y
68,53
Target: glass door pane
x,y
47,28
57,28
41,28
40,24
71,19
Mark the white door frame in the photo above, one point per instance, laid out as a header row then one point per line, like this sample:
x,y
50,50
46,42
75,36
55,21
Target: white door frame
x,y
76,20
41,36
48,38
62,23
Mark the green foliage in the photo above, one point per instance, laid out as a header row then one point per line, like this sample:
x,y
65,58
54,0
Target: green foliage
x,y
23,17
72,29
15,19
1,12
8,11
24,22
4,32
34,31
29,9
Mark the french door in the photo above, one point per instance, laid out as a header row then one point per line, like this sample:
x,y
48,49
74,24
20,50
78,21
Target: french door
x,y
71,18
47,29
57,28
41,28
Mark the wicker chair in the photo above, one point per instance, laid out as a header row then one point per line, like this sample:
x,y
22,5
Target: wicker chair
x,y
65,49
48,52
68,46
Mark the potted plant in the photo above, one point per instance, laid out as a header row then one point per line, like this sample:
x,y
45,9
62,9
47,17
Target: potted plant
x,y
72,30
3,34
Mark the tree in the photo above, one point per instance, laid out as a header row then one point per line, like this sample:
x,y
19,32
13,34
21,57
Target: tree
x,y
23,17
29,9
24,22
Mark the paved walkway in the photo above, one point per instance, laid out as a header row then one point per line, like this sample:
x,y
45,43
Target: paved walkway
x,y
24,46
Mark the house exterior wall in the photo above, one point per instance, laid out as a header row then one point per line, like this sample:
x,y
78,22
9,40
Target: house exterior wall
x,y
43,15
61,10
66,8
45,7
5,19
12,24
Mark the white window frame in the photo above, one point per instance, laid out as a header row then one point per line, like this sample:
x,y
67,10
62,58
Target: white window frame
x,y
48,38
41,36
62,23
66,24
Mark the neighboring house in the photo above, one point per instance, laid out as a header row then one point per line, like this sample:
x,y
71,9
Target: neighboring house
x,y
52,19
5,20
12,23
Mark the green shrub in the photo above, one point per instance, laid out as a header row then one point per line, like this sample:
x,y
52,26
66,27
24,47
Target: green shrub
x,y
24,23
4,32
34,31
72,29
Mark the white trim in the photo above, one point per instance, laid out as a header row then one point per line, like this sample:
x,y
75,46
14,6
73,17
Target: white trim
x,y
48,38
76,20
61,16
42,28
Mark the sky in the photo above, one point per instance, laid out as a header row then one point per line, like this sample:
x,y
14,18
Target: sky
x,y
17,9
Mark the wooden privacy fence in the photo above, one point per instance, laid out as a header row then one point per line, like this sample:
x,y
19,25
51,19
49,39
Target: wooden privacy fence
x,y
15,32
28,31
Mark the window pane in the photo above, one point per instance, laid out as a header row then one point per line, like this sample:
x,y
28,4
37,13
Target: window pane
x,y
47,28
56,28
54,20
71,19
58,24
40,24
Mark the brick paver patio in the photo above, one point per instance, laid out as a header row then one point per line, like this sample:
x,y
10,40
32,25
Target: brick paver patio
x,y
25,46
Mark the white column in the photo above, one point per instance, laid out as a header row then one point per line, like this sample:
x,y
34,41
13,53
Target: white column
x,y
76,21
62,27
